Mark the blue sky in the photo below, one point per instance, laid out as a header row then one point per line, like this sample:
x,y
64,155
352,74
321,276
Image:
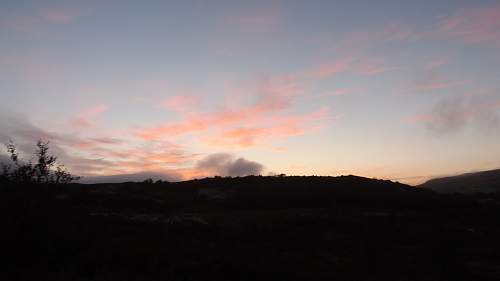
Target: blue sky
x,y
402,90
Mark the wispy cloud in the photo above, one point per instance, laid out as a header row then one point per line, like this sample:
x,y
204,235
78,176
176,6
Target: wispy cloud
x,y
418,118
451,115
372,66
395,32
62,14
87,118
357,65
336,92
436,63
38,20
30,70
434,84
274,127
181,103
329,69
20,130
25,23
428,81
474,25
96,157
260,17
243,124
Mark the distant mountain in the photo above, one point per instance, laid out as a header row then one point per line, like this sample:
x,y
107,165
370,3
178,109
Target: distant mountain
x,y
485,181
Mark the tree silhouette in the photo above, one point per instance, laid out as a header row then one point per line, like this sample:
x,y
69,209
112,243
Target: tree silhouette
x,y
45,171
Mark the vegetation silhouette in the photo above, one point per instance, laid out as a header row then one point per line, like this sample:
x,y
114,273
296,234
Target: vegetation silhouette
x,y
46,170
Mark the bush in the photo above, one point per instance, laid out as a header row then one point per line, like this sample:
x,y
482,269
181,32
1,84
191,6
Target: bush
x,y
45,171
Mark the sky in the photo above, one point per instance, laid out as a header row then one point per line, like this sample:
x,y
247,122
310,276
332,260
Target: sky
x,y
400,90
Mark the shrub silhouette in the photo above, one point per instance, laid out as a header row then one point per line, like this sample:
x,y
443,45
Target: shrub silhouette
x,y
45,171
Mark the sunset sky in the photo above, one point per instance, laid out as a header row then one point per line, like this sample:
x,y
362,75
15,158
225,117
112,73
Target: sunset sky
x,y
401,90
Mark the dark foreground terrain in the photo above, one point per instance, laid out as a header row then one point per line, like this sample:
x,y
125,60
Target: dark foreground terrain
x,y
252,228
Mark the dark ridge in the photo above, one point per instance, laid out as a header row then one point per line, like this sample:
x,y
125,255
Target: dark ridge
x,y
485,182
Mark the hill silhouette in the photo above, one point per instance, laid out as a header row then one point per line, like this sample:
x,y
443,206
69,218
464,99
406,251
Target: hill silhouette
x,y
484,181
248,228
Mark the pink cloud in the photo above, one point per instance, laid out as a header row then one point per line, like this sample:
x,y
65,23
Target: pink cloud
x,y
265,16
418,118
436,63
203,122
338,92
86,118
243,137
334,93
474,25
157,156
107,140
38,22
30,69
328,70
24,23
172,163
434,85
89,144
122,157
273,95
280,127
180,103
244,125
429,82
359,65
61,15
372,66
387,33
